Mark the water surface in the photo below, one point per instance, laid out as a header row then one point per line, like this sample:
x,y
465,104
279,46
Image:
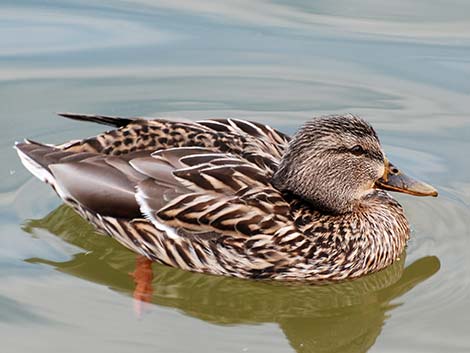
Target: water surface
x,y
402,65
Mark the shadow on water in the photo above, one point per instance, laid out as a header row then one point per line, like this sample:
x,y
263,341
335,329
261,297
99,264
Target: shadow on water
x,y
346,317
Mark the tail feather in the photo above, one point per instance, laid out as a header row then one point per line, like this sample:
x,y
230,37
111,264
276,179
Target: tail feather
x,y
100,119
38,158
34,158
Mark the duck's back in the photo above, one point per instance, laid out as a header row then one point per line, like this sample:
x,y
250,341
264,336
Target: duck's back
x,y
255,142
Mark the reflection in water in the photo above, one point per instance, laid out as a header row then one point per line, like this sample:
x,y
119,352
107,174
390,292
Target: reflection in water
x,y
346,317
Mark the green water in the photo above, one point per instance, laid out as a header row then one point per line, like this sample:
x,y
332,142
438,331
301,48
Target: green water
x,y
402,65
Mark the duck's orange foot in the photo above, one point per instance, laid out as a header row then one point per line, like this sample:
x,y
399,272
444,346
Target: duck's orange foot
x,y
143,291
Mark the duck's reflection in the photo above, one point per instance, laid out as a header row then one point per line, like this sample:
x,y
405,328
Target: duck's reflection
x,y
344,317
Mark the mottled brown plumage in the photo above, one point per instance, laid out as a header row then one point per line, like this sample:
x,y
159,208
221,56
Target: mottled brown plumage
x,y
232,197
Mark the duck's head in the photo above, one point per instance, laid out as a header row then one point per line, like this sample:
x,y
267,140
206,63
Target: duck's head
x,y
336,161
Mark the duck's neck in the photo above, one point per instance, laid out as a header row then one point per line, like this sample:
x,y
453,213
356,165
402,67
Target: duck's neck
x,y
384,228
366,240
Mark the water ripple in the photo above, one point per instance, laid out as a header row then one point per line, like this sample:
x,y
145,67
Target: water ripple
x,y
41,31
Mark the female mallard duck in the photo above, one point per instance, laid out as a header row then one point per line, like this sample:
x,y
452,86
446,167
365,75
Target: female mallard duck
x,y
232,197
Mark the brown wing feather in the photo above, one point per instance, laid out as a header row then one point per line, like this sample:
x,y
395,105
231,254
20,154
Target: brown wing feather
x,y
257,143
191,189
262,145
97,186
224,195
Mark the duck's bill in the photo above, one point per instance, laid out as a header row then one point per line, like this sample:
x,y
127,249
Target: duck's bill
x,y
394,180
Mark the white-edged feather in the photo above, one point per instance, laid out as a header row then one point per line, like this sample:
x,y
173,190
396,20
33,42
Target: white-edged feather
x,y
37,170
148,213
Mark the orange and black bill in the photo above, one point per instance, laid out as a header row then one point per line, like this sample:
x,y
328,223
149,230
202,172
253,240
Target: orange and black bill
x,y
394,180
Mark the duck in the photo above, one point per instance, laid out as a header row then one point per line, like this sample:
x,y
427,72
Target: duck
x,y
234,197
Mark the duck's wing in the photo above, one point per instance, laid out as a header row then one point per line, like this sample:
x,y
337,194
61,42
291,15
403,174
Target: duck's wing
x,y
211,212
224,194
262,144
188,188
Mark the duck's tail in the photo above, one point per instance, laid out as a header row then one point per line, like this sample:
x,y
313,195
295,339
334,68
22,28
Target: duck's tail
x,y
37,157
41,159
100,119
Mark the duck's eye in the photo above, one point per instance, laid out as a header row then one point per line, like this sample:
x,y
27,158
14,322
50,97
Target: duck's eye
x,y
357,150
